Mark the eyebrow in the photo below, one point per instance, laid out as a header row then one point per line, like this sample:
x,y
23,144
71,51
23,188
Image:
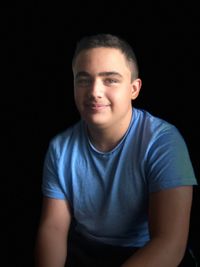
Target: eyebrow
x,y
104,73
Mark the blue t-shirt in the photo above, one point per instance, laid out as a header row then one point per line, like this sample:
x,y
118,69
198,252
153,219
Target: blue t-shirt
x,y
109,191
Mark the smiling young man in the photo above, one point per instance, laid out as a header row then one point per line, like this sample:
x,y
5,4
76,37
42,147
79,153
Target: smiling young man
x,y
123,176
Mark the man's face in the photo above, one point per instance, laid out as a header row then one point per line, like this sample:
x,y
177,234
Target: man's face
x,y
103,88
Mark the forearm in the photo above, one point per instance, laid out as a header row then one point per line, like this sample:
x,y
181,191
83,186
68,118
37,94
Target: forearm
x,y
158,252
51,248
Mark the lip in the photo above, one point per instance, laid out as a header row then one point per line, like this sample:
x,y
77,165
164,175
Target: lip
x,y
97,106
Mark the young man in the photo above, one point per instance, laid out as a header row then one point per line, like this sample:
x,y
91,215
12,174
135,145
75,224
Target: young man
x,y
122,175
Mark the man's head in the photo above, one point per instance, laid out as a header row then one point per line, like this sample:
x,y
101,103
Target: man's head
x,y
109,41
105,81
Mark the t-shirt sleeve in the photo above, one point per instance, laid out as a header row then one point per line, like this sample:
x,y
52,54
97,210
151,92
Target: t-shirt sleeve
x,y
169,163
51,184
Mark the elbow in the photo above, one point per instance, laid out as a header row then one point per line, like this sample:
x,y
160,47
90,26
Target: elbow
x,y
180,252
177,250
170,251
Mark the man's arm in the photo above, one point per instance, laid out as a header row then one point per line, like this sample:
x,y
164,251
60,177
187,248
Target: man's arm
x,y
51,243
169,218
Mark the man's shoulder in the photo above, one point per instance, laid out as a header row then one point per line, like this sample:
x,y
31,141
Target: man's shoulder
x,y
152,123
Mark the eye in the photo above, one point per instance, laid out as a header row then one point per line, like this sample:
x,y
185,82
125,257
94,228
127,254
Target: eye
x,y
83,81
111,81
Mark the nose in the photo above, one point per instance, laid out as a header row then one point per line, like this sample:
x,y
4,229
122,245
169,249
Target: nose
x,y
96,89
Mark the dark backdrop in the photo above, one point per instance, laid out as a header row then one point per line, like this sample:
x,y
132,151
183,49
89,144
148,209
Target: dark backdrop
x,y
37,92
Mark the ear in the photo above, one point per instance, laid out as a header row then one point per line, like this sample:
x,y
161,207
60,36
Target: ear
x,y
136,86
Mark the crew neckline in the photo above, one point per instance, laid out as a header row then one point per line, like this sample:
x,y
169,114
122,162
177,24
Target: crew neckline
x,y
101,153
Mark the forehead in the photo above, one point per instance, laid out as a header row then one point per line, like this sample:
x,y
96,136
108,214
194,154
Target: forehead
x,y
101,59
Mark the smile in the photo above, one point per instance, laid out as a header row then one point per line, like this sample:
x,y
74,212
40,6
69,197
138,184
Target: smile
x,y
97,106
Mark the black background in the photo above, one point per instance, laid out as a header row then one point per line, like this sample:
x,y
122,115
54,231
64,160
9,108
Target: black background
x,y
36,96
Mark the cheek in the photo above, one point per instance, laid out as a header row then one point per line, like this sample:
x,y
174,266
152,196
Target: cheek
x,y
119,94
79,98
77,94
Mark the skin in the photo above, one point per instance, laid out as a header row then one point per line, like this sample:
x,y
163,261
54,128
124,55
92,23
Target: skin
x,y
103,92
51,245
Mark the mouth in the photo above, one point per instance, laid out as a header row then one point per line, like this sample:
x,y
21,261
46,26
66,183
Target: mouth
x,y
97,106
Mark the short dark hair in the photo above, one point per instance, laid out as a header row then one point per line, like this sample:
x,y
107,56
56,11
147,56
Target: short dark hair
x,y
110,41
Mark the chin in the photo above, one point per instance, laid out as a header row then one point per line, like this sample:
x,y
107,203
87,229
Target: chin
x,y
98,123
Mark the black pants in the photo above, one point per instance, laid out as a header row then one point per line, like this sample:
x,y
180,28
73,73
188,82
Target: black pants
x,y
86,253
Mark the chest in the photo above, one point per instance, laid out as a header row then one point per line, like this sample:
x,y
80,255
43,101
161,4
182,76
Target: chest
x,y
101,187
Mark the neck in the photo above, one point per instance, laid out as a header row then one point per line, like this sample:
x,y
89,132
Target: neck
x,y
106,139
